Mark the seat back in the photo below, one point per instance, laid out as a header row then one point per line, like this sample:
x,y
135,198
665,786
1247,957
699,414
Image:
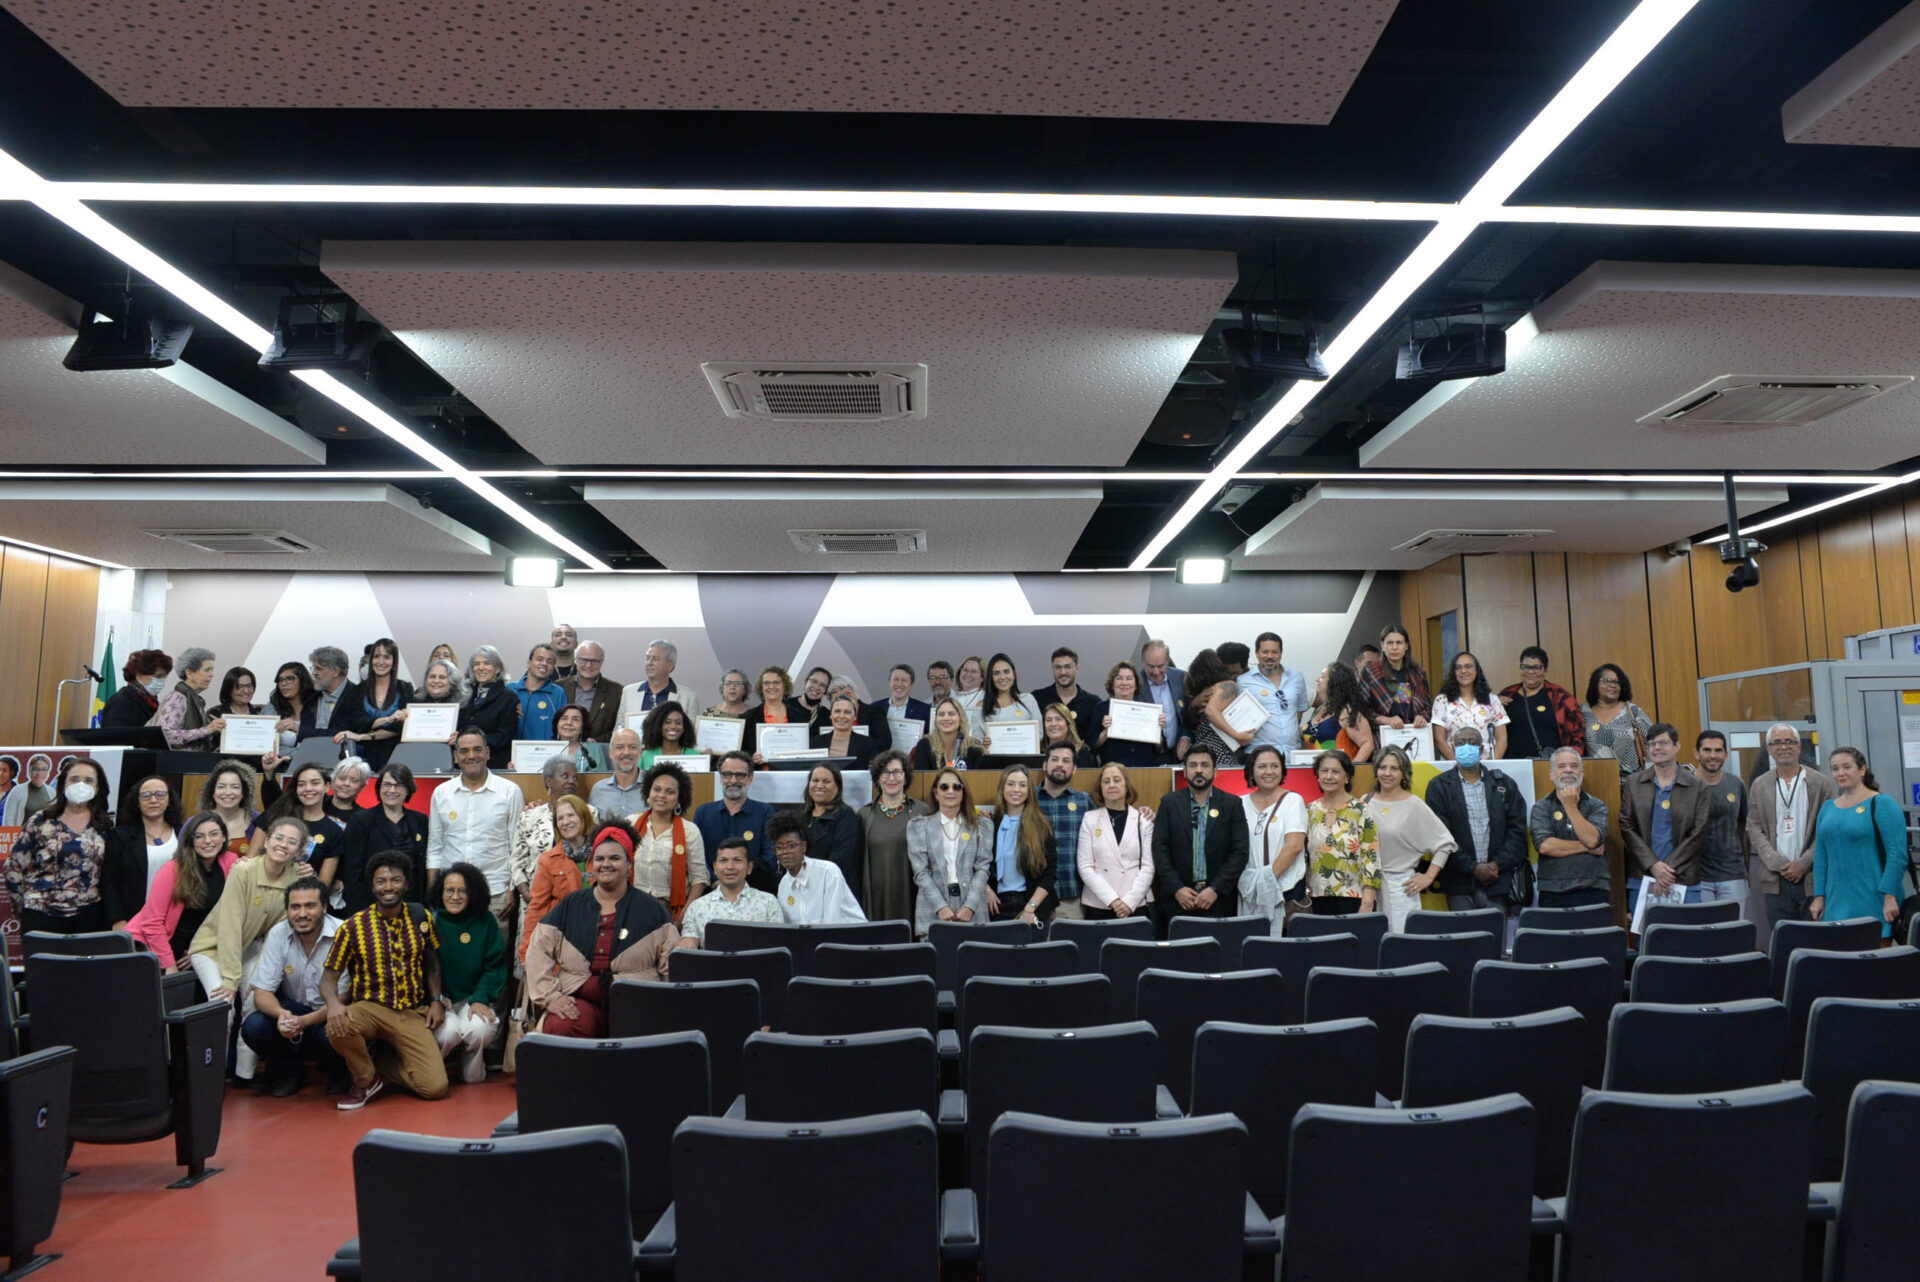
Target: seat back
x,y
1585,917
9,1013
1176,1004
827,1079
1712,939
1427,921
1877,1237
770,968
1851,1040
1695,1050
1368,928
1700,914
1087,935
1698,981
1502,990
402,1181
1263,1074
1073,1001
1195,1167
565,1082
1541,1057
107,1007
1123,961
843,1007
800,941
1883,974
92,943
800,1184
1232,932
424,759
1855,935
35,1093
1459,953
727,1011
1010,961
1390,998
1295,956
1101,1074
1738,1159
947,936
1607,942
873,961
1485,1146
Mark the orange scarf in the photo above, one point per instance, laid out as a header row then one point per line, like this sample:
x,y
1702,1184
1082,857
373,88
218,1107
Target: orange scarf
x,y
677,887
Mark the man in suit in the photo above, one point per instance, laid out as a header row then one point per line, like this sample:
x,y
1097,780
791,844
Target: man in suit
x,y
1663,819
898,703
1199,845
599,695
337,704
1782,807
1164,686
1471,797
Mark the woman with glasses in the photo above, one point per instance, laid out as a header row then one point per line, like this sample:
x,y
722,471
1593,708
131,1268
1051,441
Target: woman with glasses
x,y
293,690
1467,700
474,968
950,854
1124,685
777,707
387,826
490,707
139,848
237,689
1616,725
1541,716
734,690
888,877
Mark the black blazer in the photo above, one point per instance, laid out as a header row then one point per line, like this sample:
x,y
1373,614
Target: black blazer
x,y
129,708
757,717
349,713
1506,831
922,756
495,710
1173,844
916,709
838,837
370,833
860,747
123,872
1127,752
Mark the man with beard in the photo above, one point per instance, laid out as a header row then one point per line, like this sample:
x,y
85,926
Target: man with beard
x,y
733,815
1064,806
393,995
1199,845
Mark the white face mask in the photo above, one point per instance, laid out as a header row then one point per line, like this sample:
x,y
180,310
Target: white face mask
x,y
157,686
79,794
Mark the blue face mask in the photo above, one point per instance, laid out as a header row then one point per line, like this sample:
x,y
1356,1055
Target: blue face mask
x,y
1467,754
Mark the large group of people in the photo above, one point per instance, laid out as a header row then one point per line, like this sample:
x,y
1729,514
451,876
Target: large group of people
x,y
331,927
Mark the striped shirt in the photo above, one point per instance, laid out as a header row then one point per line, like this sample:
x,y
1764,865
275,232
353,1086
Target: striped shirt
x,y
385,956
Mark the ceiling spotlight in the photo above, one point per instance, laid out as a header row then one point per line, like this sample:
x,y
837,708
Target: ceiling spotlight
x,y
1200,570
534,572
1739,552
320,331
1270,351
1451,343
135,342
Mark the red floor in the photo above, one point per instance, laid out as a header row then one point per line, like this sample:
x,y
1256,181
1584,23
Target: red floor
x,y
282,1202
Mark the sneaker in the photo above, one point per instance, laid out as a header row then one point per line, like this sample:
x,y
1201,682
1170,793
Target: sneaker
x,y
360,1096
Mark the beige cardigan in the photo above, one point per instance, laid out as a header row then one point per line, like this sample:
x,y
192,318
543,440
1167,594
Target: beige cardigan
x,y
251,904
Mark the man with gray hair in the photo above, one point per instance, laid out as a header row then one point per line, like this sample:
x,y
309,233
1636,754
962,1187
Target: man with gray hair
x,y
640,698
1782,807
336,704
1569,830
1482,809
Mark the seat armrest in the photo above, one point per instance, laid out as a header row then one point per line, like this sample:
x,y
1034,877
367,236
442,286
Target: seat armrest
x,y
346,1261
1823,1202
953,1111
1549,1216
656,1251
508,1125
1259,1236
959,1225
1165,1107
737,1110
196,1077
1381,1101
943,1001
177,990
947,1043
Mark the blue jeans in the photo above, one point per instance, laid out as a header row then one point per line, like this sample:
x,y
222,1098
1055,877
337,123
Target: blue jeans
x,y
262,1033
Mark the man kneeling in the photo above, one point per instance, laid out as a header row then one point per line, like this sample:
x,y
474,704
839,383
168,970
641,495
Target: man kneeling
x,y
391,954
287,1026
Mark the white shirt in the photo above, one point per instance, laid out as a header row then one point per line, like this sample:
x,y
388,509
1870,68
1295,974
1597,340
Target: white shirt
x,y
818,896
752,905
1790,822
475,825
285,968
1285,818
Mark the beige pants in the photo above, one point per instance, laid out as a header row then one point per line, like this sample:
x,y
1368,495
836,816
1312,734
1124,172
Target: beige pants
x,y
419,1067
1069,908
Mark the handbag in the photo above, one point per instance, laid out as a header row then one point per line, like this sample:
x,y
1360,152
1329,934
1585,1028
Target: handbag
x,y
1521,891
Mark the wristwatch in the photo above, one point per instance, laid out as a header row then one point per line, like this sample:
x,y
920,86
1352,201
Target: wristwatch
x,y
445,1000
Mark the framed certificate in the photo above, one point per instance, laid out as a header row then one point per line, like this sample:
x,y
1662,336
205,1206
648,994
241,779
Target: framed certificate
x,y
430,722
530,756
1014,738
719,734
906,732
783,741
1245,713
1418,744
694,763
249,736
1139,722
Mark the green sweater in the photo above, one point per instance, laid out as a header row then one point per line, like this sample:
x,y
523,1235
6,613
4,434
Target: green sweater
x,y
473,957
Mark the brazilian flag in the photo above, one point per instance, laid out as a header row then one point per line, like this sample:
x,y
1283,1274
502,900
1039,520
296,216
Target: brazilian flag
x,y
108,682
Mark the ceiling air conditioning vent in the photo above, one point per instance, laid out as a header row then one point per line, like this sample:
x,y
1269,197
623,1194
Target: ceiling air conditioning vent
x,y
1448,542
1773,400
846,391
860,542
238,542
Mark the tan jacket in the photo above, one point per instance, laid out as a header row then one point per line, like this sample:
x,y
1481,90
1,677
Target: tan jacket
x,y
1763,816
251,904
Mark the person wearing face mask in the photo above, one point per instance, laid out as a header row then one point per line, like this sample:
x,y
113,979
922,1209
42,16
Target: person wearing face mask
x,y
144,677
1199,845
734,815
1482,809
54,869
182,713
1570,831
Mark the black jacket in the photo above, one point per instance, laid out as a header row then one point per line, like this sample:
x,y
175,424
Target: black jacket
x,y
1506,831
860,747
129,708
370,833
495,710
349,713
123,872
922,758
989,828
757,716
1173,847
838,837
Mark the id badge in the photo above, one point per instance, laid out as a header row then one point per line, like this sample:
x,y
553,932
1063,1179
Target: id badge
x,y
1786,825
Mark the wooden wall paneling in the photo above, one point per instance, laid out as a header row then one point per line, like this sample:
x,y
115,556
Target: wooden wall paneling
x,y
1411,584
23,603
1440,592
1500,621
1780,598
1676,663
1607,605
1893,565
1850,586
1552,622
1813,595
73,597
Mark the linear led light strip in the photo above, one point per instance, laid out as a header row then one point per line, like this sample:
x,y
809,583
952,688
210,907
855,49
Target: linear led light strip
x,y
17,179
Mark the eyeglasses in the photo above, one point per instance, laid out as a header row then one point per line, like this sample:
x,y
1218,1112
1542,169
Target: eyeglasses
x,y
1533,667
453,892
735,776
153,796
288,679
788,847
1783,743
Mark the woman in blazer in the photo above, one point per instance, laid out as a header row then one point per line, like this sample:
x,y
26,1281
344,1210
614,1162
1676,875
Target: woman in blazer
x,y
1115,850
777,706
950,853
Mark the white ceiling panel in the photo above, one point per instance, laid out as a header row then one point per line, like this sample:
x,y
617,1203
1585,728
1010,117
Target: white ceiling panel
x,y
50,414
351,527
1624,339
591,353
1273,61
1346,526
744,526
1868,97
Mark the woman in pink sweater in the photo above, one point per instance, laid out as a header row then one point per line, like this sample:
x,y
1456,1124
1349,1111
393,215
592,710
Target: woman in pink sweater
x,y
185,891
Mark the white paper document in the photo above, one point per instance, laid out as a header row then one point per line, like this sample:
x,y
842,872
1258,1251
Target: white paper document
x,y
782,741
1245,713
1676,894
249,736
719,734
1014,738
430,722
906,732
530,756
1417,743
1138,722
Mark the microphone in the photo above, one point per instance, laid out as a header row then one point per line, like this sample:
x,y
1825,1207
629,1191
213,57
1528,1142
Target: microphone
x,y
90,672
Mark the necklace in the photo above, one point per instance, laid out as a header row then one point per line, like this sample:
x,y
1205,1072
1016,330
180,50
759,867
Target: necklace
x,y
891,812
951,828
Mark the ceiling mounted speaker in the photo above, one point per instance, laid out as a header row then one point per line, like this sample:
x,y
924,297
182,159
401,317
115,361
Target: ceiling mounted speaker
x,y
1193,417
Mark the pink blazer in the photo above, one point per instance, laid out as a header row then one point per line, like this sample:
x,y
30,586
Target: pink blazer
x,y
1111,869
153,924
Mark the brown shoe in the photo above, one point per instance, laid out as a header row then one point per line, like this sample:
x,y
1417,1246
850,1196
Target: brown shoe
x,y
361,1096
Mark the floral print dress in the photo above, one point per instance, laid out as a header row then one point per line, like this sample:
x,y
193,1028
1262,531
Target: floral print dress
x,y
1344,849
